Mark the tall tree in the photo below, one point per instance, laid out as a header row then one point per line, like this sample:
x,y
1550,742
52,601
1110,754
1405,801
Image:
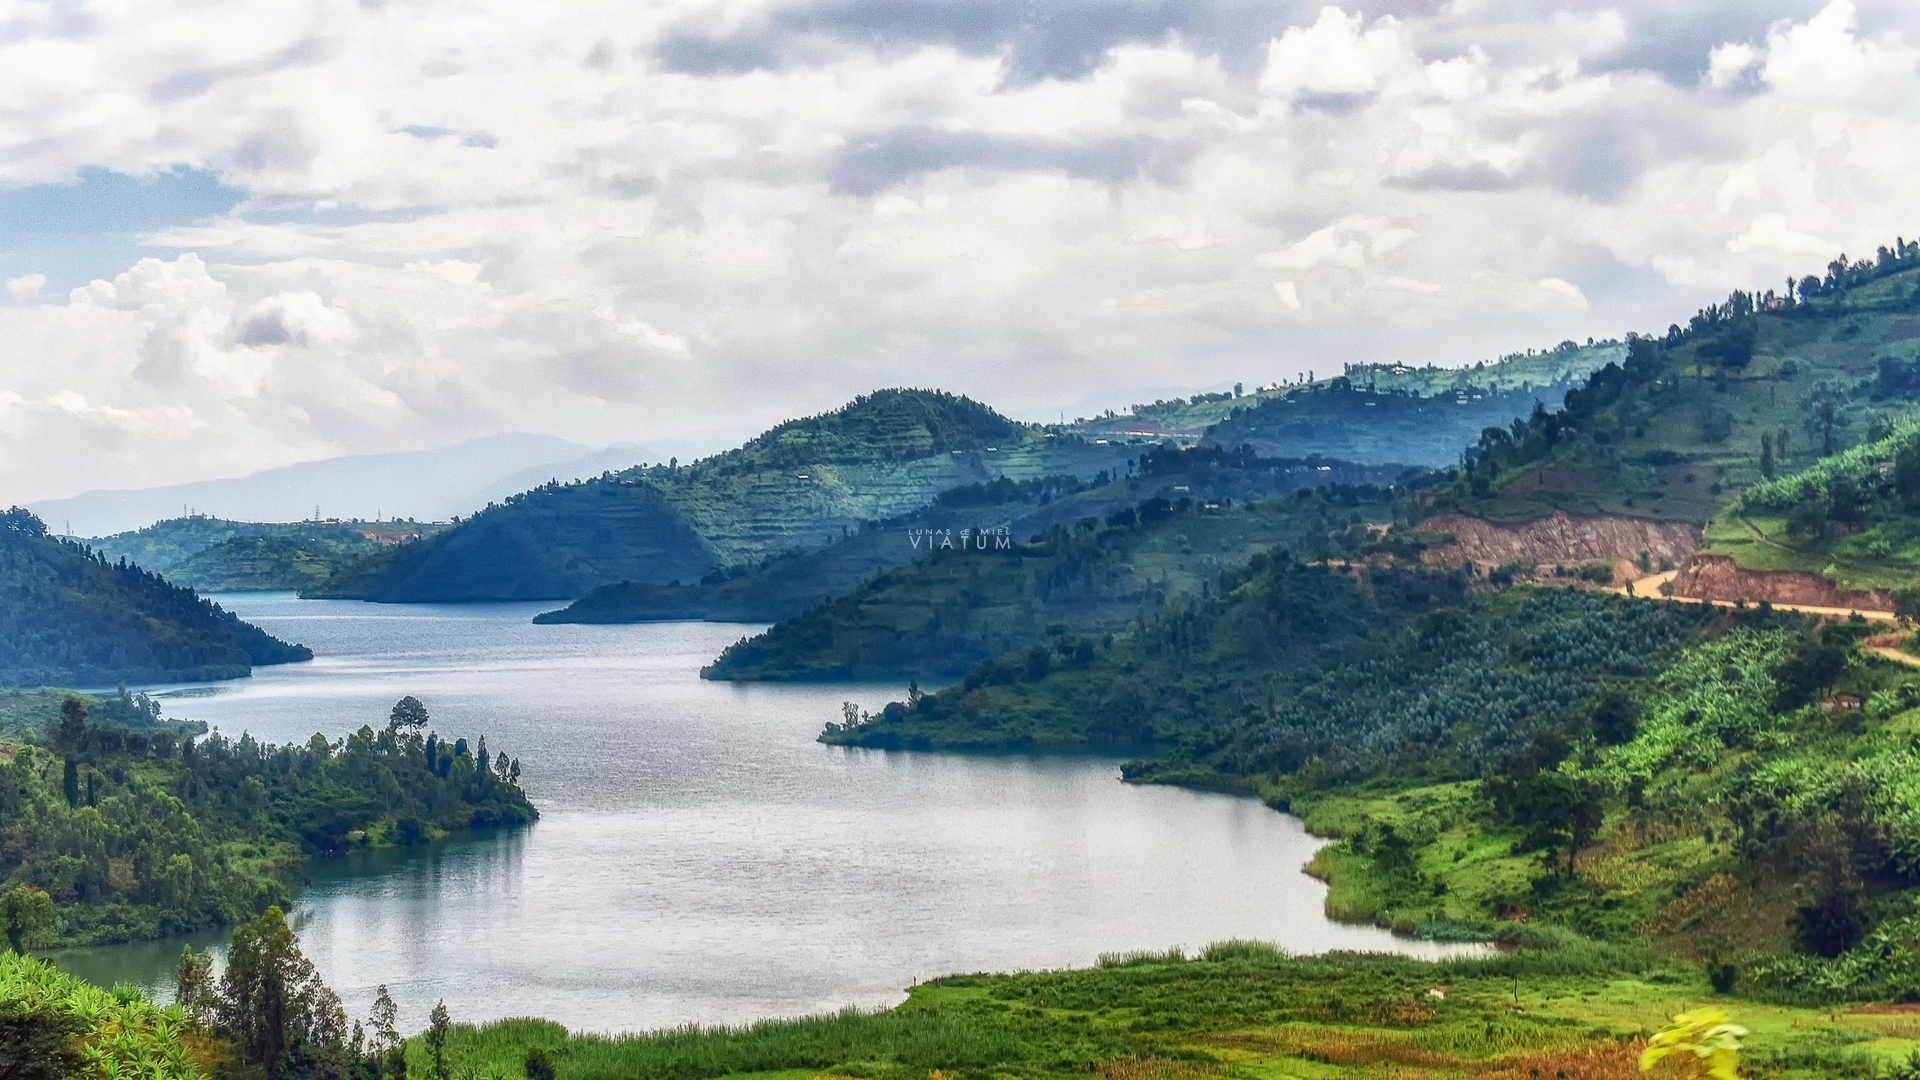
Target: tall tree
x,y
70,733
274,1005
408,715
438,1024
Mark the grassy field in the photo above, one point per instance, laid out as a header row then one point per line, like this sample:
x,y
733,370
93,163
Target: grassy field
x,y
1238,1010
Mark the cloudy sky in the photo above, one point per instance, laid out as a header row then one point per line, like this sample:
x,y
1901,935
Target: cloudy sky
x,y
235,236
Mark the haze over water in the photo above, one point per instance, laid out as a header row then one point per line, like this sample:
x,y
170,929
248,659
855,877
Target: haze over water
x,y
700,858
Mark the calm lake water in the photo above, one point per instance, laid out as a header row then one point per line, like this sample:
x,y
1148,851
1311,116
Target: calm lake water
x,y
700,858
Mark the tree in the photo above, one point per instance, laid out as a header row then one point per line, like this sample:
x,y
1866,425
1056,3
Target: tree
x,y
1826,417
408,715
1766,454
539,1064
1906,604
193,985
70,733
384,1024
503,768
274,1005
70,783
27,914
438,1023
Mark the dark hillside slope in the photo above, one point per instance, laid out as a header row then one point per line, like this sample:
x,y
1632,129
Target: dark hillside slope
x,y
68,617
550,543
800,485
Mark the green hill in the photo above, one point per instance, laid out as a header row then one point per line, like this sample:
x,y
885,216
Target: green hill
x,y
70,617
1095,564
133,834
1852,519
215,555
1727,784
800,485
1371,413
1755,387
788,585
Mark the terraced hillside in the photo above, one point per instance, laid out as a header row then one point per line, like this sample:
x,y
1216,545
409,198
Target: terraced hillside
x,y
1371,413
215,555
798,486
1103,562
788,585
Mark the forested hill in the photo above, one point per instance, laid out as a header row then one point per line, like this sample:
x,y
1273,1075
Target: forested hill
x,y
1371,413
795,583
1733,786
216,555
1106,559
123,833
1758,386
799,485
70,617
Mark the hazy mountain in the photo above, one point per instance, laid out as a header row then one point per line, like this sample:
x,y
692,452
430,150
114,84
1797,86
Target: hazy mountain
x,y
424,484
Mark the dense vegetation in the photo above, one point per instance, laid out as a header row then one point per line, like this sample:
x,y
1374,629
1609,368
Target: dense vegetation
x,y
1067,586
790,585
68,616
130,834
1730,783
801,485
215,555
1850,518
1753,388
1577,1012
1372,413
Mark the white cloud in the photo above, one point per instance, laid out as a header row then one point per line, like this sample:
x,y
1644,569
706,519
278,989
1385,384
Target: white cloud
x,y
1566,290
1770,232
473,217
1727,63
25,289
1335,55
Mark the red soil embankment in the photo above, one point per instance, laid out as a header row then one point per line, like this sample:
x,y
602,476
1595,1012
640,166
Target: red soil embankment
x,y
1560,539
1716,577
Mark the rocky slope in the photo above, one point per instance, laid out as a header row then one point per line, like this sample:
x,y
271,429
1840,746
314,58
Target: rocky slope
x,y
1717,577
1560,538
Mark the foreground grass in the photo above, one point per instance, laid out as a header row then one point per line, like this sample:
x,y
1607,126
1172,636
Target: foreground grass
x,y
1241,1010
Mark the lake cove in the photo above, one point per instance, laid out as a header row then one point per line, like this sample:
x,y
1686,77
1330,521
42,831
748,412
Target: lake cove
x,y
700,858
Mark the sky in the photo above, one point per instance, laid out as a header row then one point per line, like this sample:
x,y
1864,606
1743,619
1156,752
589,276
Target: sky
x,y
235,236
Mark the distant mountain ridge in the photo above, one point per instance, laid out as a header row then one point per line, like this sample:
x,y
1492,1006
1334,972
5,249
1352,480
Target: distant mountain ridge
x,y
801,484
424,484
69,617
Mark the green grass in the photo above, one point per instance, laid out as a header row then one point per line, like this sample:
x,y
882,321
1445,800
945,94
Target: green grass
x,y
1240,1009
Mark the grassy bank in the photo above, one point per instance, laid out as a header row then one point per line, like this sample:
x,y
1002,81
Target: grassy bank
x,y
1242,1010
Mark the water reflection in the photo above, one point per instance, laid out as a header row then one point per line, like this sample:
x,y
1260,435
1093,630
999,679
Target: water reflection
x,y
701,859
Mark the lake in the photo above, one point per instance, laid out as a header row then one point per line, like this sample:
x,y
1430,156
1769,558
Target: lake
x,y
700,858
